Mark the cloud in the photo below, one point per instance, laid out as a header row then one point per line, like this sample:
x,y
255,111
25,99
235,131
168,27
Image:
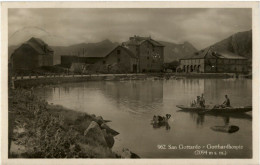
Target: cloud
x,y
202,27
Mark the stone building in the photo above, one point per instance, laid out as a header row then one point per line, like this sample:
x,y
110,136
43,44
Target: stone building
x,y
32,54
210,61
149,52
121,60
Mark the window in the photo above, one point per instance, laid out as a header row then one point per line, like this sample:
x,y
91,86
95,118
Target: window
x,y
118,51
118,60
104,62
147,57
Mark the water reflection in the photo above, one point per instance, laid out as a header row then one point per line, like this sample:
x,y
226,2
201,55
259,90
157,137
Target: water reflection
x,y
161,125
130,105
197,118
225,128
139,96
200,118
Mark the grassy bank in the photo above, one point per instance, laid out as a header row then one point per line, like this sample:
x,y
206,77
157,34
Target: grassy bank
x,y
39,130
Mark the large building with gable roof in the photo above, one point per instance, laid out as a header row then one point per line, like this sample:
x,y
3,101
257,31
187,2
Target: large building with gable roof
x,y
138,54
119,60
210,61
32,54
149,52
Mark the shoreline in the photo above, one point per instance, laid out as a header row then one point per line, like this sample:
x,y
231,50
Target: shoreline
x,y
37,129
32,81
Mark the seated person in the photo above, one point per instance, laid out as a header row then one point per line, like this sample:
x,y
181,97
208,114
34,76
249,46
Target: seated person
x,y
226,103
193,103
198,100
202,101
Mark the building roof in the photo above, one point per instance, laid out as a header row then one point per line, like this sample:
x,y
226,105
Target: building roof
x,y
211,53
39,45
137,40
229,55
128,51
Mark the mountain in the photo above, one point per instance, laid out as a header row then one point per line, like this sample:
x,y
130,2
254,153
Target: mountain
x,y
174,51
239,43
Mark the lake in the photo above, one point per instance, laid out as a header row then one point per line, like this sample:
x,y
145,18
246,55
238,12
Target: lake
x,y
131,105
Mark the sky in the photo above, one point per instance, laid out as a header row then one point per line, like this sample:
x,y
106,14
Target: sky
x,y
62,27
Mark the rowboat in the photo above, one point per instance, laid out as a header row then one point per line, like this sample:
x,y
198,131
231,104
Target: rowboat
x,y
226,129
208,109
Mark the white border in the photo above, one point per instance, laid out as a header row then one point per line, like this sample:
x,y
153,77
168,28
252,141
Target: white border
x,y
106,4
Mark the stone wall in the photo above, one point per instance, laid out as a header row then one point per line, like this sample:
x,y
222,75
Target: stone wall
x,y
151,57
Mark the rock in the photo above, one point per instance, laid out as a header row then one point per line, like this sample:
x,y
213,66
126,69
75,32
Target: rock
x,y
109,138
94,131
109,130
126,153
100,120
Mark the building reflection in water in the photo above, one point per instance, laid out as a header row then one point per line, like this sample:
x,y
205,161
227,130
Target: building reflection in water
x,y
139,96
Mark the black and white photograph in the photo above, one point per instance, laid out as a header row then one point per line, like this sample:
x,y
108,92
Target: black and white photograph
x,y
130,83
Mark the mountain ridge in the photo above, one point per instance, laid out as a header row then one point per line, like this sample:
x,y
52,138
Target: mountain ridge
x,y
173,51
239,43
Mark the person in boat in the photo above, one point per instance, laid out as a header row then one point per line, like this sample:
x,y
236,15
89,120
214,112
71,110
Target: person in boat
x,y
202,101
198,100
226,103
193,103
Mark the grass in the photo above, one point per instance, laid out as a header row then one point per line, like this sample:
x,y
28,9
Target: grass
x,y
51,131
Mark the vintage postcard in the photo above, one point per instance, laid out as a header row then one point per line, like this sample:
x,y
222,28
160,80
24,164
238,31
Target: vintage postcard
x,y
130,82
